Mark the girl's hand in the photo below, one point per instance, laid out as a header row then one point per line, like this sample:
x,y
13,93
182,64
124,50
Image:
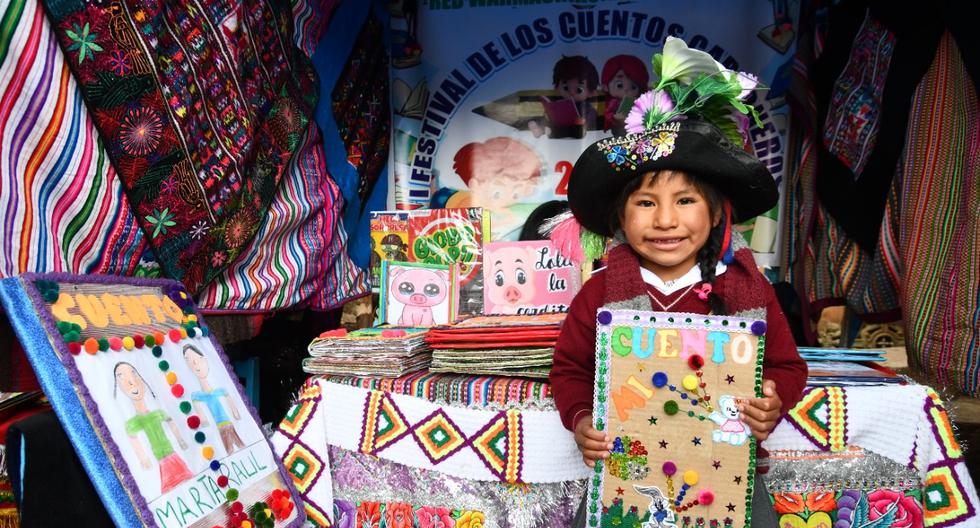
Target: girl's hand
x,y
593,444
762,414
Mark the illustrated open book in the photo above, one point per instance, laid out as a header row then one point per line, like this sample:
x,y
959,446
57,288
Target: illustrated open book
x,y
149,401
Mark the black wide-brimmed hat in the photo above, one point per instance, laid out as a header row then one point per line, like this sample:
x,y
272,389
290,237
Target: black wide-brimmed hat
x,y
693,145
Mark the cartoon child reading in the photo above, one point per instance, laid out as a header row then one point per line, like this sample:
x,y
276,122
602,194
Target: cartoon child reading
x,y
624,77
575,79
500,173
212,399
173,470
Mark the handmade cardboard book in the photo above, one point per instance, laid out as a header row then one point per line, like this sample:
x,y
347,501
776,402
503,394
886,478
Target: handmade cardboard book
x,y
528,277
418,295
148,399
667,392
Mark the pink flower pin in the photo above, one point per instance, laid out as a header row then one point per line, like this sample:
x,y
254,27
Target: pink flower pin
x,y
703,291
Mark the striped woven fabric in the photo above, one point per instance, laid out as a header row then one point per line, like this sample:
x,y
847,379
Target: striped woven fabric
x,y
310,20
299,254
455,388
63,205
938,233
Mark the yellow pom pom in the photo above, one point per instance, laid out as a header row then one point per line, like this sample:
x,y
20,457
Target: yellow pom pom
x,y
690,382
690,477
128,343
171,378
207,452
183,333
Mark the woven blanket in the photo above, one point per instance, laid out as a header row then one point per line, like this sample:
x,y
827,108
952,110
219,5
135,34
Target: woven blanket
x,y
938,237
201,106
512,446
906,424
459,390
64,207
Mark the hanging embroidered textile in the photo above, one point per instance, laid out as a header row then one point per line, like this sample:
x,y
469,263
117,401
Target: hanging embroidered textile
x,y
200,106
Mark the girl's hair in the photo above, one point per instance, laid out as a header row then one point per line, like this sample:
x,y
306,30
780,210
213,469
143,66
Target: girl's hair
x,y
115,381
192,348
708,254
540,215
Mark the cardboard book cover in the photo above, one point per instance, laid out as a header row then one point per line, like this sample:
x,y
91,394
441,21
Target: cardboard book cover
x,y
418,295
667,391
148,399
448,236
389,241
529,277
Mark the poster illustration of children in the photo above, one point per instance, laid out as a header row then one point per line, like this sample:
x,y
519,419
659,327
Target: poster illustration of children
x,y
500,173
624,78
212,399
575,79
173,469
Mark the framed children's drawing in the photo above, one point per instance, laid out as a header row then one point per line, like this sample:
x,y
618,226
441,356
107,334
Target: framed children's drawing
x,y
667,391
417,294
149,401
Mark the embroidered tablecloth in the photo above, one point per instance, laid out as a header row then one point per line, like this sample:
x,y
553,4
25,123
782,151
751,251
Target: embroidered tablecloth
x,y
884,452
907,425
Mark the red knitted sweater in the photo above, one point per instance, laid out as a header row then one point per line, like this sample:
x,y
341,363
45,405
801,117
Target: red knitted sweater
x,y
573,373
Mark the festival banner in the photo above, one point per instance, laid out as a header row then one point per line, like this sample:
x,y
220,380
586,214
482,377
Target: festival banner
x,y
495,114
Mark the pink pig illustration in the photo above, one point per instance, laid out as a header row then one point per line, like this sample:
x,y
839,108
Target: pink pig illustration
x,y
419,290
510,284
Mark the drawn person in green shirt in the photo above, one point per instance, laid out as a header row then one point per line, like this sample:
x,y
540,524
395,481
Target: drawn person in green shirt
x,y
173,470
212,399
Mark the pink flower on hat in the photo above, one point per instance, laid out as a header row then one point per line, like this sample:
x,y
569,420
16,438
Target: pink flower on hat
x,y
648,108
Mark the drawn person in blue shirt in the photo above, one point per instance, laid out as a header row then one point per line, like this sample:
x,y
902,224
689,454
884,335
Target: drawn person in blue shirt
x,y
212,399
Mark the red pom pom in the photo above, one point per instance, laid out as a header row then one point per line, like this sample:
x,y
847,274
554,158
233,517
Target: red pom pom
x,y
222,482
177,390
75,348
138,340
193,422
706,497
174,335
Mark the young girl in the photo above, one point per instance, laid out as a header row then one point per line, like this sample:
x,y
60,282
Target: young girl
x,y
667,197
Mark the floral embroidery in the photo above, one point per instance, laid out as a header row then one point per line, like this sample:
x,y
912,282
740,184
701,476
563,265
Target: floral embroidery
x,y
471,519
399,515
663,144
239,229
119,63
83,42
199,230
140,132
369,515
160,220
218,258
430,517
617,155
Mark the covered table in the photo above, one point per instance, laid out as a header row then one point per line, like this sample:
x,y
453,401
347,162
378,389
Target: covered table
x,y
484,451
